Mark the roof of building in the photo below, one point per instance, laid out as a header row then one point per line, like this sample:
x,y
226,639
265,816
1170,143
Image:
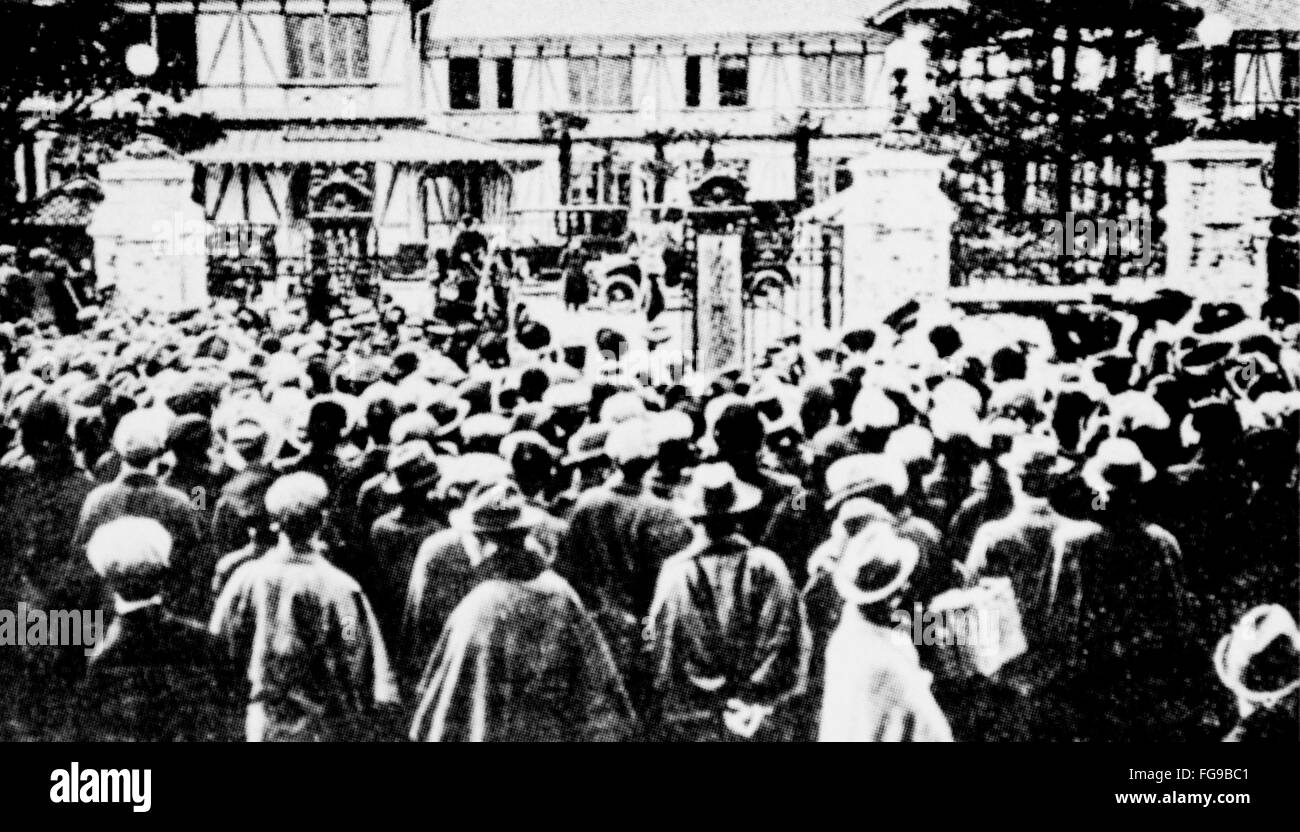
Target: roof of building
x,y
359,144
663,20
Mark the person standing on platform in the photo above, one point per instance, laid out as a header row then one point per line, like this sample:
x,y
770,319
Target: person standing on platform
x,y
573,266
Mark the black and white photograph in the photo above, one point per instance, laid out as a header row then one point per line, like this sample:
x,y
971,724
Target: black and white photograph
x,y
650,371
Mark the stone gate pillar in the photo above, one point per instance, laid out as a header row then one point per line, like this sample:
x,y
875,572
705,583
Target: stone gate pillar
x,y
150,236
1216,219
897,225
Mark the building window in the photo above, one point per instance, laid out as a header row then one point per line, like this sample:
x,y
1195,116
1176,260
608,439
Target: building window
x,y
1291,75
600,83
326,47
462,83
693,81
1189,71
505,83
833,80
733,81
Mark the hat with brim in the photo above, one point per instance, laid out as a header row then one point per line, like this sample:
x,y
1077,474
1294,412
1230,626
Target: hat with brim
x,y
1117,463
856,475
412,466
450,411
1257,630
716,491
1216,317
500,510
884,559
586,445
1202,358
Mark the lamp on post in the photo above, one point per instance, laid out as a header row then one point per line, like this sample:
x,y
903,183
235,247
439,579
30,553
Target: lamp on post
x,y
1215,33
142,62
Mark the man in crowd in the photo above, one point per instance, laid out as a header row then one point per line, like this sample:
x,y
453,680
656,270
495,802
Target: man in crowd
x,y
349,461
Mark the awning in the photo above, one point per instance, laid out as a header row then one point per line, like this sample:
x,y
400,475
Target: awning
x,y
341,145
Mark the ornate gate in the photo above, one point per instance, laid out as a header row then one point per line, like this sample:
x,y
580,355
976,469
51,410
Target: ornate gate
x,y
791,282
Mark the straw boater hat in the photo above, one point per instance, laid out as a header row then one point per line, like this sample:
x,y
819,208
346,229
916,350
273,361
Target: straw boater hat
x,y
501,509
716,491
876,564
586,445
1257,630
853,476
1118,462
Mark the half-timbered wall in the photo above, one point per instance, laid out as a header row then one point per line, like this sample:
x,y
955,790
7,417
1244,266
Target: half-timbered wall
x,y
247,67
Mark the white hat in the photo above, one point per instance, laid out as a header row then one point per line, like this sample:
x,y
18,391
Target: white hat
x,y
628,441
141,436
872,409
129,547
853,475
1117,461
296,494
671,426
876,546
622,407
910,444
1250,636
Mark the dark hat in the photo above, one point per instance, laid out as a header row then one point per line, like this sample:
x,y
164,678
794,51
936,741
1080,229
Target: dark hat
x,y
1202,358
534,336
500,509
412,466
1216,317
716,491
191,432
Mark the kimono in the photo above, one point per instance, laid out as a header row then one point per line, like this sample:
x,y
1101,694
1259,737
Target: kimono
x,y
152,678
520,660
875,688
726,623
616,541
316,662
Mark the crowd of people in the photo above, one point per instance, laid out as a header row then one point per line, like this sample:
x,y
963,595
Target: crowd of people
x,y
378,527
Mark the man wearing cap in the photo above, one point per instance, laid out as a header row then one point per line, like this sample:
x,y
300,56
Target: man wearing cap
x,y
192,472
618,536
1022,546
151,676
240,506
42,500
519,659
1133,625
396,537
875,689
726,635
1256,661
452,562
140,441
787,519
290,611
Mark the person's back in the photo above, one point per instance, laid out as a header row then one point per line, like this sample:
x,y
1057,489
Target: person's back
x,y
875,689
308,635
139,494
152,678
726,623
520,660
618,537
